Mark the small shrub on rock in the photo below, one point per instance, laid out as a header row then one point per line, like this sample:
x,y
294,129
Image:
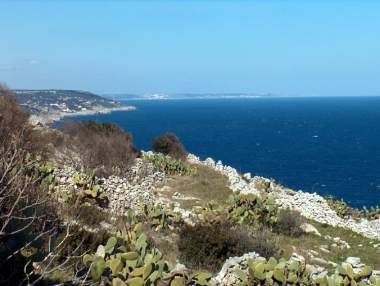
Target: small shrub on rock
x,y
340,207
289,222
343,210
169,144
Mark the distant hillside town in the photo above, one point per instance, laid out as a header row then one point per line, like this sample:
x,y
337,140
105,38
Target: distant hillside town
x,y
52,104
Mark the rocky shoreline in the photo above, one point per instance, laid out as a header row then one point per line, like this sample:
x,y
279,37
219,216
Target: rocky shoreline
x,y
49,118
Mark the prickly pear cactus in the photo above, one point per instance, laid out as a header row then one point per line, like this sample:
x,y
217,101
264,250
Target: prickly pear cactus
x,y
251,209
160,218
282,272
127,259
170,166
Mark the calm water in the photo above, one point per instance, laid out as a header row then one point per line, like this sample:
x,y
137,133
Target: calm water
x,y
324,145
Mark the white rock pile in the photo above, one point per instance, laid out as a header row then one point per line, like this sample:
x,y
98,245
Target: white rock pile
x,y
128,192
315,207
136,188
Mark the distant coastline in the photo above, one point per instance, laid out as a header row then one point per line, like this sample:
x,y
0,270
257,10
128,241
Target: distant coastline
x,y
133,97
49,118
159,96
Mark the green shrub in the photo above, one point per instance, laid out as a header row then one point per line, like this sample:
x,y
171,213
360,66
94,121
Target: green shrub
x,y
169,144
289,222
208,245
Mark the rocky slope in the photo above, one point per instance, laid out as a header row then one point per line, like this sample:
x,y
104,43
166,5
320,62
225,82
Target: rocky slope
x,y
143,184
311,206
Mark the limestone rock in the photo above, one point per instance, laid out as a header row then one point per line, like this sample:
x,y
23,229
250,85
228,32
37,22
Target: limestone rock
x,y
309,228
227,275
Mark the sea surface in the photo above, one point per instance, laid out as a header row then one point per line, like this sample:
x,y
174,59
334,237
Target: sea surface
x,y
327,145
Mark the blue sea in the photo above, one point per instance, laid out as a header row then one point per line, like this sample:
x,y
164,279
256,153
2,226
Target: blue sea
x,y
328,145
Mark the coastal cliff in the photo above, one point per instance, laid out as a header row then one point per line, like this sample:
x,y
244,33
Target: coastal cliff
x,y
89,208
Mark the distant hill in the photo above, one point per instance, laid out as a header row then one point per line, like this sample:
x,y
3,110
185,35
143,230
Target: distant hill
x,y
47,105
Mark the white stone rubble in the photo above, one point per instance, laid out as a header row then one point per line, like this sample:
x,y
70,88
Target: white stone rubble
x,y
315,207
135,188
227,275
126,192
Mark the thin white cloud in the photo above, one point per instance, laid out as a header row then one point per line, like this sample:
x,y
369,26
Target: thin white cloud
x,y
33,62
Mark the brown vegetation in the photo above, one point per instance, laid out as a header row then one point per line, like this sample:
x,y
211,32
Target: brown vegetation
x,y
208,245
289,223
103,147
28,220
265,243
169,144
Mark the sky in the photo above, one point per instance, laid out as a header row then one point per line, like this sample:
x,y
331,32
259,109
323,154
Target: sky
x,y
308,48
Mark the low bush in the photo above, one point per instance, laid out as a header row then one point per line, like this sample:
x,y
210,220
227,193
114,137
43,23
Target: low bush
x,y
264,243
88,215
169,144
289,223
103,147
207,246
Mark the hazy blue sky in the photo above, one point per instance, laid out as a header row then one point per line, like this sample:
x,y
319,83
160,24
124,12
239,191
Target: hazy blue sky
x,y
283,47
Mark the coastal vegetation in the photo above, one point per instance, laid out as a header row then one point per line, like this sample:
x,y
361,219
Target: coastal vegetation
x,y
344,210
28,217
61,225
